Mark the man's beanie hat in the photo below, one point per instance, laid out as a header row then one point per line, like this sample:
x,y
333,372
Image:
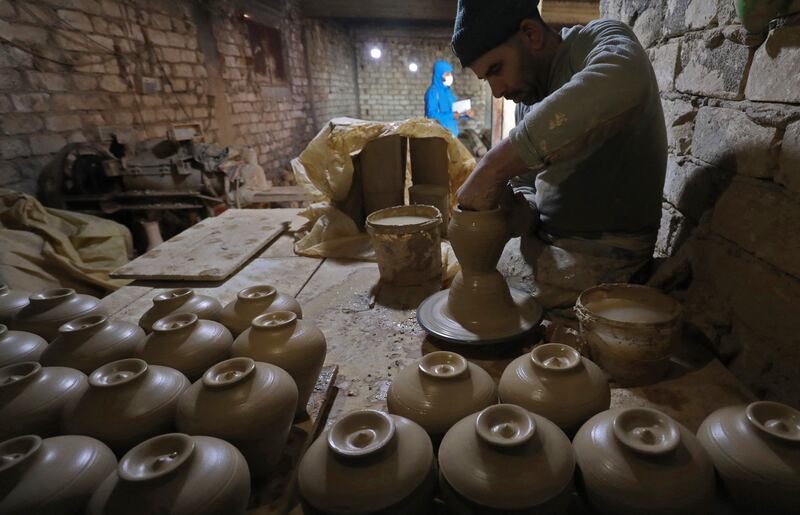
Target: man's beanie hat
x,y
482,25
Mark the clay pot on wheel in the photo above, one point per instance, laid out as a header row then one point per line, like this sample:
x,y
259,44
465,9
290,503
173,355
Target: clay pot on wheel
x,y
248,403
253,301
177,301
439,390
556,382
91,341
54,475
505,459
19,346
756,451
639,460
176,474
128,401
11,301
297,346
32,398
50,309
369,462
186,343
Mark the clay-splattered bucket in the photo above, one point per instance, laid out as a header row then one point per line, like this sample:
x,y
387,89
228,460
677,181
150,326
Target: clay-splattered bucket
x,y
407,244
630,330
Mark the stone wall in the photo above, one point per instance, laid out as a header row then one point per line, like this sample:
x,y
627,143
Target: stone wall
x,y
388,90
732,194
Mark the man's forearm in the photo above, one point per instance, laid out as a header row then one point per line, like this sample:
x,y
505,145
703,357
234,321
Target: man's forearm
x,y
504,162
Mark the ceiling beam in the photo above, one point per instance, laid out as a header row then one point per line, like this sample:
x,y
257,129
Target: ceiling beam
x,y
408,10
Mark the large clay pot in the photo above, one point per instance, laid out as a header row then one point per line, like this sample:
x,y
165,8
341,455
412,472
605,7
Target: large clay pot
x,y
180,300
253,301
369,462
32,398
91,341
297,346
556,382
186,343
639,460
128,401
176,474
756,451
50,309
439,390
19,346
505,459
54,475
248,403
11,301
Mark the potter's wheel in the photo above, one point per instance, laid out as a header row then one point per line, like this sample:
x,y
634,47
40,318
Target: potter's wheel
x,y
435,318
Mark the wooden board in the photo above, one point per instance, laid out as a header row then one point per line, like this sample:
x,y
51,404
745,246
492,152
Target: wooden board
x,y
211,250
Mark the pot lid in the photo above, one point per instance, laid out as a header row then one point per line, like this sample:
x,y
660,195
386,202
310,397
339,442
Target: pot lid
x,y
506,457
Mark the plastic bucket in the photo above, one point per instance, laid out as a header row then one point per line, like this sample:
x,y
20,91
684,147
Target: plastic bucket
x,y
407,244
630,330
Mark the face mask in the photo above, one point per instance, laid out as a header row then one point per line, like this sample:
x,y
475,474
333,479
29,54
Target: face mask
x,y
448,81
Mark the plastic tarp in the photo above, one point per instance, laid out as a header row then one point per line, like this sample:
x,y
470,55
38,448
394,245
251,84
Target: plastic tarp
x,y
44,248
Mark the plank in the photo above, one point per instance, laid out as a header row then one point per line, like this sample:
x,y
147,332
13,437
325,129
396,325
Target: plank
x,y
212,249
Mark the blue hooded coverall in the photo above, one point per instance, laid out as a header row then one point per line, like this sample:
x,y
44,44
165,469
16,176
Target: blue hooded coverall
x,y
439,99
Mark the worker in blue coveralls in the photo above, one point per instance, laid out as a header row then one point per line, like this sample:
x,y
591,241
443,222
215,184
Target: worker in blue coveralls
x,y
439,98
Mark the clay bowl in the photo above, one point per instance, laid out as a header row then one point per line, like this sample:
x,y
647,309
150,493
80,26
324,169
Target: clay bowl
x,y
177,301
19,346
50,309
11,301
238,314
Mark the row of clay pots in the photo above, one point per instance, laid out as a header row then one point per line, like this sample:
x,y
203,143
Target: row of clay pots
x,y
172,473
42,313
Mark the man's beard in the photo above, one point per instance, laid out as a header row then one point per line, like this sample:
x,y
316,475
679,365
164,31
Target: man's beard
x,y
535,74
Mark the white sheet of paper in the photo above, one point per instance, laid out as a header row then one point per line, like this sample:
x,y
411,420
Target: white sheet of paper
x,y
462,106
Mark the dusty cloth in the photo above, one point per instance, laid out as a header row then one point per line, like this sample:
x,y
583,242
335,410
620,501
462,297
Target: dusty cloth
x,y
325,168
46,248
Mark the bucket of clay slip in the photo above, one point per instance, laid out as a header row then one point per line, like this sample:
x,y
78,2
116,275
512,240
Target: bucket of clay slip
x,y
630,330
407,244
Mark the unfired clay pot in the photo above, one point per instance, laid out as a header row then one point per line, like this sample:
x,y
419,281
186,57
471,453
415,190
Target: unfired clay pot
x,y
19,346
50,309
32,398
11,301
756,451
505,459
186,343
91,341
439,390
248,403
297,346
128,401
176,474
180,300
54,475
253,301
555,381
369,462
639,460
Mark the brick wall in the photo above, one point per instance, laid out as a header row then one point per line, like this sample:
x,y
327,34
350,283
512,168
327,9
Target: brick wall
x,y
732,192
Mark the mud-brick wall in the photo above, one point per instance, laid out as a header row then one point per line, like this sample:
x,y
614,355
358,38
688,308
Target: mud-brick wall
x,y
732,194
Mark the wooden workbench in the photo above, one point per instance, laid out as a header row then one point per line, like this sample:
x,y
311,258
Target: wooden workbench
x,y
370,338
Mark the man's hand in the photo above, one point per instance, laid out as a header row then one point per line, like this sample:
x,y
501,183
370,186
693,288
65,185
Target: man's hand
x,y
456,115
470,113
482,188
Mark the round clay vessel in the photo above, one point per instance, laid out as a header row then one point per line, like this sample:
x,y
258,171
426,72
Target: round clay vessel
x,y
248,403
127,402
11,301
50,309
756,451
253,301
297,346
186,343
369,462
556,382
91,341
505,459
176,474
440,389
639,460
478,238
54,475
180,300
32,398
19,346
